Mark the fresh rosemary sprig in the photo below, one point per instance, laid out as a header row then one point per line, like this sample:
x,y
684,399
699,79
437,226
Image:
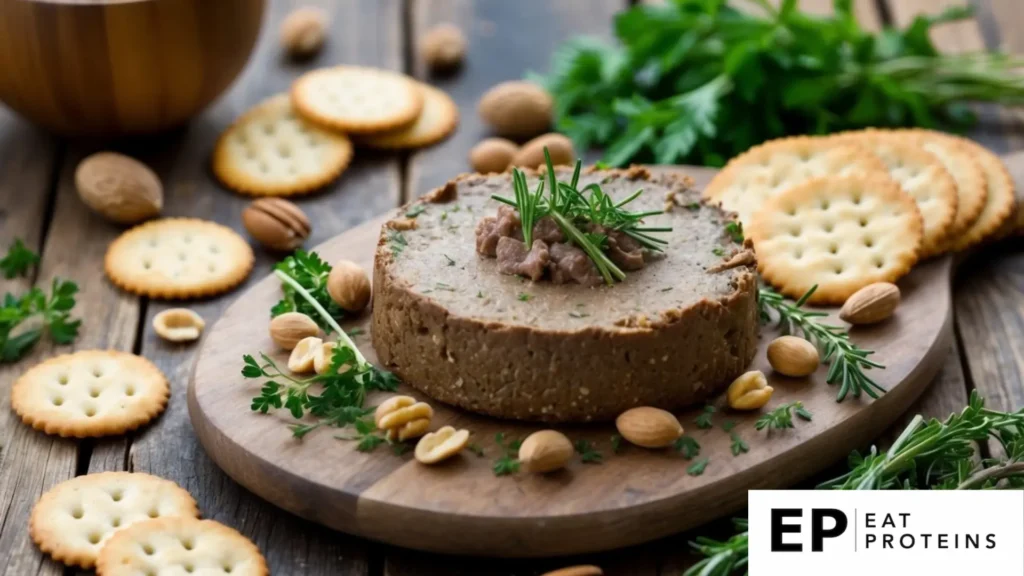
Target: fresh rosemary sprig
x,y
573,209
722,558
782,417
847,361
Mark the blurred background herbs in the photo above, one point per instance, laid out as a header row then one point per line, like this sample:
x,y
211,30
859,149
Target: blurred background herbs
x,y
700,81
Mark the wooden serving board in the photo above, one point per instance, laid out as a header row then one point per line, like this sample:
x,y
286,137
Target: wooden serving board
x,y
636,495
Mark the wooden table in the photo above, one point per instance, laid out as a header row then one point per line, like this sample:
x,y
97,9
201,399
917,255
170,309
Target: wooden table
x,y
38,204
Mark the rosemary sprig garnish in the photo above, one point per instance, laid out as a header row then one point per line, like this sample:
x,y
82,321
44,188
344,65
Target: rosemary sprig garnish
x,y
847,361
722,558
572,209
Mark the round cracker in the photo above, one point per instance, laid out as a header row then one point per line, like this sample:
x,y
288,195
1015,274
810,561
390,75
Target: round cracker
x,y
921,175
73,520
1000,199
839,233
272,151
357,100
178,258
90,393
180,546
755,176
436,122
972,190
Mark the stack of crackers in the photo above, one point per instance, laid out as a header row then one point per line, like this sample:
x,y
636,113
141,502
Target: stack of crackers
x,y
296,143
844,211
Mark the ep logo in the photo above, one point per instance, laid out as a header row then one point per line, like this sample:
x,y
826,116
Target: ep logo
x,y
823,523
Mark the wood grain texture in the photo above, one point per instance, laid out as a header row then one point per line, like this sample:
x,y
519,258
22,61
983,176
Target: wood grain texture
x,y
506,40
362,33
121,67
632,498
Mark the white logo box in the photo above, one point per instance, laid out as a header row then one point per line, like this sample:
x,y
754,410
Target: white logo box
x,y
888,532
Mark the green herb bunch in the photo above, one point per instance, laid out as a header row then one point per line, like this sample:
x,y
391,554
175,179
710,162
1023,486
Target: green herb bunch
x,y
309,272
18,261
847,361
23,319
699,81
573,209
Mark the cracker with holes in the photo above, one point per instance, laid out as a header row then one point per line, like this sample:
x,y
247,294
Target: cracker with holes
x,y
840,234
90,393
178,258
1000,200
272,151
921,175
357,100
73,520
180,546
972,189
438,119
754,177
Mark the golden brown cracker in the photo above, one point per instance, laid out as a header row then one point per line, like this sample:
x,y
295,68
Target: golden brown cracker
x,y
272,151
840,234
764,171
73,520
439,118
178,258
357,100
1000,201
90,393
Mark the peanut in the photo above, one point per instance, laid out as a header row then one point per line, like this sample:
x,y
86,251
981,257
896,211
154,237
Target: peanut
x,y
750,391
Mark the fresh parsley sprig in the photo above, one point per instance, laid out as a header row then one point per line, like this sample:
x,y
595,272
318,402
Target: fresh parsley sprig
x,y
310,272
18,261
508,462
19,330
588,454
782,417
847,361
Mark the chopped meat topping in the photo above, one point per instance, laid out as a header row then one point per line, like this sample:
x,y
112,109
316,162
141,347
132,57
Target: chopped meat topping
x,y
548,230
490,229
571,264
625,251
514,258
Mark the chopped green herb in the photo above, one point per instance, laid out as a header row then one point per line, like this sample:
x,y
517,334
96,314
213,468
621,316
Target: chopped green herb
x,y
475,449
524,297
396,241
575,314
693,206
19,260
587,453
479,294
782,417
508,463
703,421
687,446
698,467
444,215
415,210
443,286
728,425
666,289
735,231
448,259
717,251
738,445
616,443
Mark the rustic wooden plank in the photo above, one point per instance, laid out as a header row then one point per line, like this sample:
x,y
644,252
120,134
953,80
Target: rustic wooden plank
x,y
29,461
361,33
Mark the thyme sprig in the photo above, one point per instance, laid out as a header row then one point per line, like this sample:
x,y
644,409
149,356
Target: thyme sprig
x,y
576,210
847,361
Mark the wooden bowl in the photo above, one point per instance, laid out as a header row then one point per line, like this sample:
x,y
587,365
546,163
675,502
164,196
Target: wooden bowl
x,y
113,67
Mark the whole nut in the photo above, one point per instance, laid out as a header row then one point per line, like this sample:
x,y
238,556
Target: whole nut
x,y
286,330
349,286
119,188
492,155
324,355
443,48
749,391
516,109
441,445
531,155
301,359
545,451
410,430
178,325
872,303
303,31
649,427
586,570
277,224
793,356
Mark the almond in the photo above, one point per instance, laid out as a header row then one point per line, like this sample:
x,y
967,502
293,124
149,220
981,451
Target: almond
x,y
792,356
288,329
492,155
872,303
516,109
586,570
443,48
276,223
349,286
119,188
531,155
303,31
545,451
649,427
